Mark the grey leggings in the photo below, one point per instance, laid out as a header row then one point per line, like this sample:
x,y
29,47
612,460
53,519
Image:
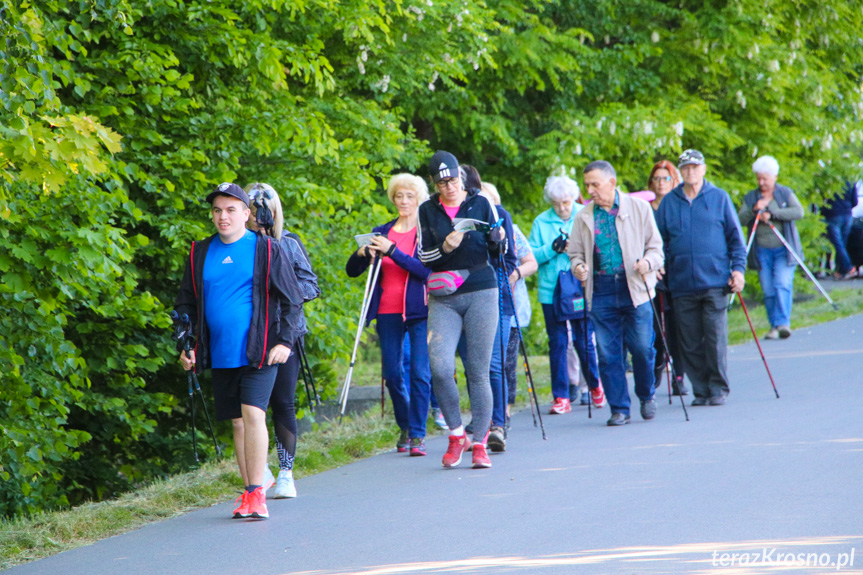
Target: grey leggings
x,y
477,313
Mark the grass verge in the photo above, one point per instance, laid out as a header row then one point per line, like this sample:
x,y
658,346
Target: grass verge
x,y
328,446
812,310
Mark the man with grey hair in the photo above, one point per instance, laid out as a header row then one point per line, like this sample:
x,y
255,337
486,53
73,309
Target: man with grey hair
x,y
548,240
615,249
705,257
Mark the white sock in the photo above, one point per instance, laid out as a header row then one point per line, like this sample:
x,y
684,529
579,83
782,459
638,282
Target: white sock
x,y
458,430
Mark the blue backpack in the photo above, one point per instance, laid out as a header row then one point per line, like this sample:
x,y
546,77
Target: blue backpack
x,y
568,299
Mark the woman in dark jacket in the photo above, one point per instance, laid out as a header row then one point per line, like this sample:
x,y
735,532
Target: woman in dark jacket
x,y
263,196
773,205
399,305
459,230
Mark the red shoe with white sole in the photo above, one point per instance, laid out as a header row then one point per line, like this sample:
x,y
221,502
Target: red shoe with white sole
x,y
560,406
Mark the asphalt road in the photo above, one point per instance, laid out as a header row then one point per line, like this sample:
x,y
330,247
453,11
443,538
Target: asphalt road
x,y
760,477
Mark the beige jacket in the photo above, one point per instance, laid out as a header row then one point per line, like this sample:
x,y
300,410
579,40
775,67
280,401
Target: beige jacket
x,y
639,239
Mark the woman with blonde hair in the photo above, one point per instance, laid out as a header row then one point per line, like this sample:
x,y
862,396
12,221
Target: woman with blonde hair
x,y
398,303
268,218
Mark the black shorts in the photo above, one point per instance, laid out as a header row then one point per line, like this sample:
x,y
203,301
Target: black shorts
x,y
238,386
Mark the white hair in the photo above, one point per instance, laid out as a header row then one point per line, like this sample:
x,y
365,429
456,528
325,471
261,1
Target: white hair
x,y
766,165
560,188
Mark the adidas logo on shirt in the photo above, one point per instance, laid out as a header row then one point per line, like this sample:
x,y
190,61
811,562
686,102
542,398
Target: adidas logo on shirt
x,y
227,260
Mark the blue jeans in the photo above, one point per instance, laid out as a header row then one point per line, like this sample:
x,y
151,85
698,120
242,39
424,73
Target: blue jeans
x,y
406,368
557,344
838,230
777,283
617,321
410,408
496,370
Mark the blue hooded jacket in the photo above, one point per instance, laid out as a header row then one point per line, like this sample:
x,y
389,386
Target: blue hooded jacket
x,y
546,227
703,241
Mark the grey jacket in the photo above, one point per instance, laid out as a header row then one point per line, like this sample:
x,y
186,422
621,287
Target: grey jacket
x,y
781,209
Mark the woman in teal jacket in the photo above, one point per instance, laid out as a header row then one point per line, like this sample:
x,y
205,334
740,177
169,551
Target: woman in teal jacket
x,y
548,240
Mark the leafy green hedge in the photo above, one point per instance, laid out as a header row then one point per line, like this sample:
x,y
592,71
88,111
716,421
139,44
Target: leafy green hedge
x,y
117,117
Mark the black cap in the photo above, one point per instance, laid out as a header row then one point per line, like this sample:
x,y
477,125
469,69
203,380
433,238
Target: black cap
x,y
690,157
443,165
229,189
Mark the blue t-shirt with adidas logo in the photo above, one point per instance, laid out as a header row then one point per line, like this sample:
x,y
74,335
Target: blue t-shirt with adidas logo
x,y
228,271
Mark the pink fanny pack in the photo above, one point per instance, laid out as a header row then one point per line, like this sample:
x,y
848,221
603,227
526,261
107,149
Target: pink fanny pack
x,y
446,283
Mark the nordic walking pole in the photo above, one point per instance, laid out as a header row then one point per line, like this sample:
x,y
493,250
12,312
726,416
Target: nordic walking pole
x,y
665,343
192,409
370,282
586,348
299,348
764,359
748,247
185,337
308,376
206,413
531,389
367,297
666,355
803,265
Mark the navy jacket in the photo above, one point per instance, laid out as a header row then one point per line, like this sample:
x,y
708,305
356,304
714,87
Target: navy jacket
x,y
416,298
474,252
703,242
841,204
276,302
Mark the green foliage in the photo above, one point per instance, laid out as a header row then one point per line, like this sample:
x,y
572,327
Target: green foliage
x,y
117,118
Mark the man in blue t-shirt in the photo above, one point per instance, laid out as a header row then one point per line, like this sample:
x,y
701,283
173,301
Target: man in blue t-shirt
x,y
245,300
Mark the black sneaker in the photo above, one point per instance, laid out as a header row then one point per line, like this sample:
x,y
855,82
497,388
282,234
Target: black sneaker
x,y
648,409
496,439
617,419
678,386
418,447
403,443
700,401
469,428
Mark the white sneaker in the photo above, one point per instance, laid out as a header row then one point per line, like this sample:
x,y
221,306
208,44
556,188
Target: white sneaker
x,y
438,419
269,480
285,486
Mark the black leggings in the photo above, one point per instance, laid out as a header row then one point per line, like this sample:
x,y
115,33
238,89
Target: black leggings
x,y
284,414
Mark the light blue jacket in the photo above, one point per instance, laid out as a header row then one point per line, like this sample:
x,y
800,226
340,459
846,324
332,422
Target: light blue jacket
x,y
546,227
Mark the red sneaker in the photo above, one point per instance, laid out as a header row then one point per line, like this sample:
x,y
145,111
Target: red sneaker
x,y
258,504
243,510
458,444
598,396
560,406
480,457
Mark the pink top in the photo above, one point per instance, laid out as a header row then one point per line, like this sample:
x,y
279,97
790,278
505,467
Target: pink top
x,y
394,277
451,212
